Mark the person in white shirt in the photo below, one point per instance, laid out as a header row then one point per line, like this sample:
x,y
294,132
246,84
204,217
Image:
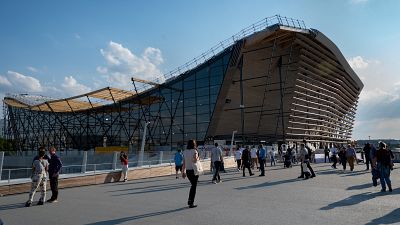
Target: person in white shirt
x,y
191,156
272,156
238,158
254,158
334,153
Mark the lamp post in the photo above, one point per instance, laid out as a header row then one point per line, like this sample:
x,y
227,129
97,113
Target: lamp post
x,y
141,154
233,138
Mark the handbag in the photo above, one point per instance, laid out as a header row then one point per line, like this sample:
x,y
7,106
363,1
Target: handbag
x,y
198,168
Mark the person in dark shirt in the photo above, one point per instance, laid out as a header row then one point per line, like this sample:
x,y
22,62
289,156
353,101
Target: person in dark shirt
x,y
384,160
367,155
54,171
246,157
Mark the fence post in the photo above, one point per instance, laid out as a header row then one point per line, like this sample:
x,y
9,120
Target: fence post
x,y
114,165
161,157
1,163
84,162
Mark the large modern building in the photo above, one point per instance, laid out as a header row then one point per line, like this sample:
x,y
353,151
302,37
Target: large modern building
x,y
275,81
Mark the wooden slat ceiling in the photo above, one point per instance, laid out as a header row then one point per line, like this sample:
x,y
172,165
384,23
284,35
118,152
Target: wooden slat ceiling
x,y
73,104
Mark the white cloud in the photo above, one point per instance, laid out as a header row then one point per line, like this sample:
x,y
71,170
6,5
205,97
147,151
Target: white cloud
x,y
72,87
24,83
378,95
33,69
380,128
358,62
4,81
122,64
77,36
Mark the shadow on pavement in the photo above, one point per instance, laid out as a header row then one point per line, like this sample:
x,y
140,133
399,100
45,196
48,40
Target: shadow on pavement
x,y
355,173
391,218
12,206
358,198
138,217
266,184
361,186
167,187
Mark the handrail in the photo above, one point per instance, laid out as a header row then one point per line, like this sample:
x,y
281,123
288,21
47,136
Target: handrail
x,y
218,48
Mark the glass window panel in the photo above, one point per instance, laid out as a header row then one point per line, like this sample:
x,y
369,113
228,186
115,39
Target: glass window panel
x,y
190,128
203,109
213,99
202,83
202,118
189,85
214,90
179,111
202,100
202,91
216,80
201,136
190,111
192,76
178,120
189,119
190,102
202,127
202,73
212,107
189,93
177,85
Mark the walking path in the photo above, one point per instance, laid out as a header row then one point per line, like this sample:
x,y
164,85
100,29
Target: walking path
x,y
278,198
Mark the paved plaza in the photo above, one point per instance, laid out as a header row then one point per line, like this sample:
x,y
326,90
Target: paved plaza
x,y
278,198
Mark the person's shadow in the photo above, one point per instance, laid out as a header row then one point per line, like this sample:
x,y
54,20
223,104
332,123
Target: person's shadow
x,y
391,218
138,217
358,198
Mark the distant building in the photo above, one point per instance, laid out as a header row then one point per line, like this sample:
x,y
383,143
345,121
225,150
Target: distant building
x,y
275,81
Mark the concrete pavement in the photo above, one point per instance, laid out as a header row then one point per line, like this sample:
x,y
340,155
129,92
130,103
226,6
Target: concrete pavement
x,y
280,198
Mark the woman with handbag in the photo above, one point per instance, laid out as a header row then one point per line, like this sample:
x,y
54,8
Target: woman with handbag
x,y
192,169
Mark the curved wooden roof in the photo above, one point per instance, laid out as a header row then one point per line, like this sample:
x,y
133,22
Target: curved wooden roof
x,y
82,102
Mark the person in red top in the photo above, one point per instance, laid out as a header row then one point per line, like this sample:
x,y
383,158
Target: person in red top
x,y
124,161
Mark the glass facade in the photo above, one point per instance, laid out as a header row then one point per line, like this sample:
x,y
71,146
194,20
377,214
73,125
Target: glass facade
x,y
180,109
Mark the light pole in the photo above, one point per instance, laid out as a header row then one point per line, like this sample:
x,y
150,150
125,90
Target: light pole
x,y
141,154
233,138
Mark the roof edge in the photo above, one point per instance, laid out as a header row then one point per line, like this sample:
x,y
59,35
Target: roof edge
x,y
319,36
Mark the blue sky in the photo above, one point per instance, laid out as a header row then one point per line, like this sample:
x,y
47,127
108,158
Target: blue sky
x,y
64,48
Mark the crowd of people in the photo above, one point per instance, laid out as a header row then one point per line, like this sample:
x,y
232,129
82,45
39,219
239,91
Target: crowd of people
x,y
247,158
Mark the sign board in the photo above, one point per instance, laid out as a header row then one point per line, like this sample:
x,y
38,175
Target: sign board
x,y
111,149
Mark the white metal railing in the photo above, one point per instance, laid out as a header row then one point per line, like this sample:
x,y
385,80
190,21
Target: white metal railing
x,y
216,49
24,173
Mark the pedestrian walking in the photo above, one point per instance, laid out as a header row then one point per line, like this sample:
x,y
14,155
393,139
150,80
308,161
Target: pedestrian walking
x,y
367,155
351,156
246,157
304,159
254,158
334,153
238,159
178,158
217,159
326,152
272,157
262,155
384,162
54,171
123,157
191,156
39,169
342,157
